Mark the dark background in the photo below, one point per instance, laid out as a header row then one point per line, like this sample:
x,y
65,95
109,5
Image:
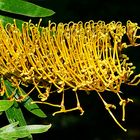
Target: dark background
x,y
84,10
96,123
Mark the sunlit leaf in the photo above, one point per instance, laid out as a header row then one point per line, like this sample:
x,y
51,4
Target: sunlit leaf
x,y
5,104
23,131
9,126
24,8
34,129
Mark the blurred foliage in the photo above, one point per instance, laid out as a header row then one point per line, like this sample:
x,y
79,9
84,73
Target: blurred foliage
x,y
11,132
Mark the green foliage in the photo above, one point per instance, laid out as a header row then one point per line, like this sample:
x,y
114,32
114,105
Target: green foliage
x,y
12,132
24,8
5,104
14,114
33,108
18,127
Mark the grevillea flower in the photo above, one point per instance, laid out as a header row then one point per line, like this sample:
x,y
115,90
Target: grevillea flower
x,y
74,55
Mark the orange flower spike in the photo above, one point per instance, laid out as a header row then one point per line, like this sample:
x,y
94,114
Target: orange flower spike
x,y
80,56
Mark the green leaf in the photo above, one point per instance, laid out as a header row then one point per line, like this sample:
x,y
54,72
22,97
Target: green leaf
x,y
14,114
33,108
24,8
34,129
5,104
9,126
23,131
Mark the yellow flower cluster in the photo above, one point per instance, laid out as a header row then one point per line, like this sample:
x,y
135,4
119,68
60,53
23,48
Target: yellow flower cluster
x,y
74,55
